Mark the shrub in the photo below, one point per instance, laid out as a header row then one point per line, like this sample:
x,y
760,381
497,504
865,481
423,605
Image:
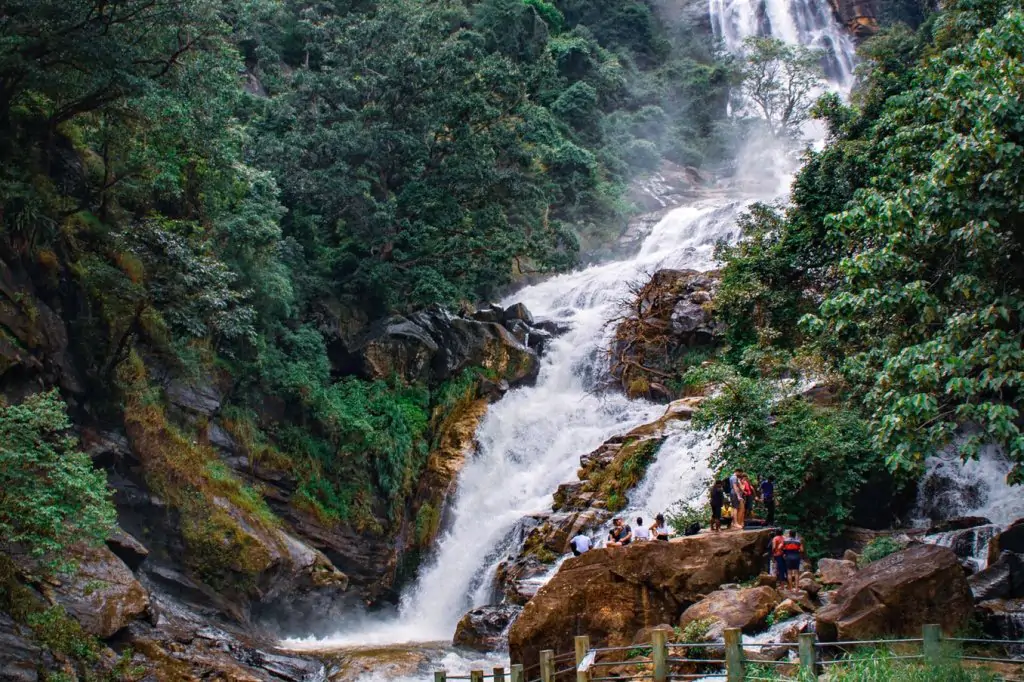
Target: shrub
x,y
51,497
879,548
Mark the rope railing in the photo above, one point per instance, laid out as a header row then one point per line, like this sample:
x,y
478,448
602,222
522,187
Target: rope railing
x,y
735,666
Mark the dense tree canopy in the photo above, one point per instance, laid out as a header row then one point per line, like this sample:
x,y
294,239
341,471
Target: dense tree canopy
x,y
896,264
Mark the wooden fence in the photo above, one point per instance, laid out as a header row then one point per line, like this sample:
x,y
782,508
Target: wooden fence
x,y
583,663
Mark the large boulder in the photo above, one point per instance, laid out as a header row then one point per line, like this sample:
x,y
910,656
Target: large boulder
x,y
483,629
835,571
747,609
432,346
1010,540
899,594
611,593
1002,579
102,594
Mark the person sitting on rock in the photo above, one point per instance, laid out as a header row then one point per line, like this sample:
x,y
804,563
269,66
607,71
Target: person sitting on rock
x,y
641,533
792,547
717,500
659,529
621,534
580,544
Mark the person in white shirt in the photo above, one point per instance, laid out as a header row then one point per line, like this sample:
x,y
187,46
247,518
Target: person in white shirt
x,y
641,533
579,544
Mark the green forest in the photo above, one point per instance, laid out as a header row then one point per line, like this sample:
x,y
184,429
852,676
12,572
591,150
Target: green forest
x,y
228,189
893,272
224,188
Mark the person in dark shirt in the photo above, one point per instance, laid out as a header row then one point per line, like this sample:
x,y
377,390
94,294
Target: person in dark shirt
x,y
768,499
621,534
717,500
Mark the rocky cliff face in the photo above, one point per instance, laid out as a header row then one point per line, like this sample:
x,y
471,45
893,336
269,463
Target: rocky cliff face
x,y
860,17
215,556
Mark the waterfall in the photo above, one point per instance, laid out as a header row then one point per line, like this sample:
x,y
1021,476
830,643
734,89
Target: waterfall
x,y
531,440
799,22
952,488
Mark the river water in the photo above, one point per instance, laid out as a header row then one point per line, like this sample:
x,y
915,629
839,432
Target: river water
x,y
531,440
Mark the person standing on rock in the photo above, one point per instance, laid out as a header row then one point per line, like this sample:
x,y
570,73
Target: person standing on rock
x,y
717,500
659,528
580,544
621,534
792,547
736,499
641,533
748,498
778,559
768,499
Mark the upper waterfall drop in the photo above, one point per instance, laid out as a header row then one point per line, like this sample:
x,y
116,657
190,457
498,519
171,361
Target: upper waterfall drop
x,y
811,23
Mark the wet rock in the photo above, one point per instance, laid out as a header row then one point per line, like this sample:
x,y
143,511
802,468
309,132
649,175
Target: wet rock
x,y
859,17
552,327
1003,619
835,571
195,397
967,543
20,657
1011,539
483,629
432,346
103,594
519,330
127,549
1002,579
34,348
898,594
491,313
539,340
518,311
958,523
747,609
611,593
786,609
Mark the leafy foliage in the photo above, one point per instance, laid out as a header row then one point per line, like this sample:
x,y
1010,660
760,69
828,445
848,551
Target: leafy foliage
x,y
778,81
818,456
891,266
50,495
879,548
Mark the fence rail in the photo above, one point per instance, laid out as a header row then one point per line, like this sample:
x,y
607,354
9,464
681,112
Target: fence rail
x,y
734,665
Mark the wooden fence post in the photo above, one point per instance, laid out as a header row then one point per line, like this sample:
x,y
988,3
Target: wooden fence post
x,y
807,654
547,666
440,676
476,676
659,654
517,673
734,655
932,644
499,675
582,644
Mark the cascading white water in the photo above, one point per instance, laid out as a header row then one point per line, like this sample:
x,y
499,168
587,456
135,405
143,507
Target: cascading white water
x,y
799,22
531,440
953,488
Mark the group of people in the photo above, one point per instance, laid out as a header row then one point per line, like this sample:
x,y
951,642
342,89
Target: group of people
x,y
622,534
737,495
